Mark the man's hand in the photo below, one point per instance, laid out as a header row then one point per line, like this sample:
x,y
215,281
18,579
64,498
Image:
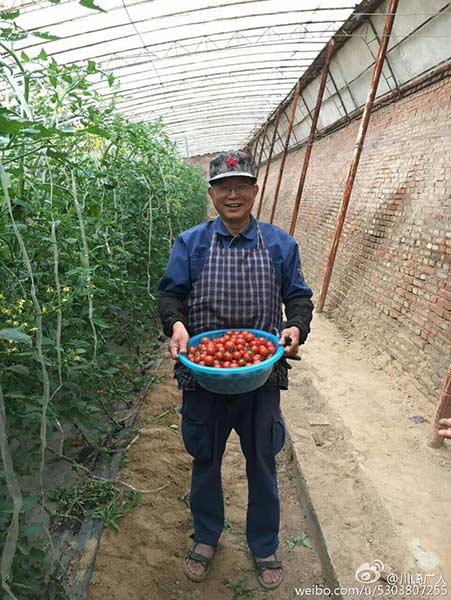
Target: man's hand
x,y
179,340
446,431
293,333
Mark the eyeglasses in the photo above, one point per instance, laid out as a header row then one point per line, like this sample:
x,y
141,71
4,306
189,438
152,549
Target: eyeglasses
x,y
225,190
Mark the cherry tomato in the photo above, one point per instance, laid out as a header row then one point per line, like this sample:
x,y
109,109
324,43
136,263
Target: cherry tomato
x,y
228,356
204,340
226,364
209,361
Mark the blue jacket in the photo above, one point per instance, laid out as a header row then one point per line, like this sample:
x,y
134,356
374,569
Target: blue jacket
x,y
191,248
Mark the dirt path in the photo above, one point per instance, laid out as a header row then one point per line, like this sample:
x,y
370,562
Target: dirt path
x,y
143,560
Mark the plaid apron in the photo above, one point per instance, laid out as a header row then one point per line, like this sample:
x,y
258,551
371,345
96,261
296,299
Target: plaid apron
x,y
237,288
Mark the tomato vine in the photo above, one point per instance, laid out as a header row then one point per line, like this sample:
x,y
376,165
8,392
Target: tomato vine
x,y
89,205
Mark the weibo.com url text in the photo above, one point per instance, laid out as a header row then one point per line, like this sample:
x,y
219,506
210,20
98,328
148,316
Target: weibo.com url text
x,y
378,591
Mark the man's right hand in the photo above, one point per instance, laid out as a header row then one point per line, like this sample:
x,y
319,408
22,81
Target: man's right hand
x,y
179,340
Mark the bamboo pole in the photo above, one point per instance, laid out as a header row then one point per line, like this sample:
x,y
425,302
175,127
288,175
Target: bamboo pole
x,y
311,138
443,412
357,150
285,150
268,163
261,149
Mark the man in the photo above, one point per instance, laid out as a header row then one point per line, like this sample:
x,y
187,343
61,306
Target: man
x,y
446,431
228,273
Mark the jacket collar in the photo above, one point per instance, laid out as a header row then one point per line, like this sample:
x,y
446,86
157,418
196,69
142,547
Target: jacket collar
x,y
249,233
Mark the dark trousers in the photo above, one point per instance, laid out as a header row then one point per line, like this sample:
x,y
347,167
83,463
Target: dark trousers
x,y
207,420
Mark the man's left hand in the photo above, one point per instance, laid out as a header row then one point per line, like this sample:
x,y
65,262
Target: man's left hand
x,y
293,333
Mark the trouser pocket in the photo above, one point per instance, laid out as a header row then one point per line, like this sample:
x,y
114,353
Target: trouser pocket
x,y
197,425
196,438
278,434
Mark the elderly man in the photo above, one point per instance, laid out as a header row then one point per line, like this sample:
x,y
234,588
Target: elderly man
x,y
234,272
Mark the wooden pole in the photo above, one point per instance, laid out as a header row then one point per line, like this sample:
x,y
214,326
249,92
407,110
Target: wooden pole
x,y
294,106
357,151
311,138
268,164
254,151
261,149
443,412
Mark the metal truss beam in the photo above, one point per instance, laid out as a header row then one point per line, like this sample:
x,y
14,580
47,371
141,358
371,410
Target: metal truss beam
x,y
222,118
206,105
244,72
200,38
183,100
290,50
275,64
175,90
199,51
99,32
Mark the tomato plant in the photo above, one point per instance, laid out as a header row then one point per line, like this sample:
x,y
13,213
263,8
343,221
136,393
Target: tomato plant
x,y
90,204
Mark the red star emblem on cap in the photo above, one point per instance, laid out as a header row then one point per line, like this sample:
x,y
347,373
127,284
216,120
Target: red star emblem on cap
x,y
231,162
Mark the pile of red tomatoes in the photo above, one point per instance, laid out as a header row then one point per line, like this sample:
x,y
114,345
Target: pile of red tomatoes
x,y
233,349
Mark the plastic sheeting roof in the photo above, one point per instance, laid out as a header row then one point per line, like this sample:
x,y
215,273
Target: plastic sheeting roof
x,y
212,69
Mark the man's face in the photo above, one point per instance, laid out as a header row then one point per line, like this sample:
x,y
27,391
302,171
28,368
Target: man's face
x,y
234,198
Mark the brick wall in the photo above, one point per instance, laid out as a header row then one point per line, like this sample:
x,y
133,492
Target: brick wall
x,y
391,285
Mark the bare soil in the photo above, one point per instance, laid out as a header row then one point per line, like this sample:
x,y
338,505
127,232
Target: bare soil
x,y
144,559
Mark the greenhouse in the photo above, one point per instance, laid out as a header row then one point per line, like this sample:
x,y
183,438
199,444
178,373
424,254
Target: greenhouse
x,y
225,299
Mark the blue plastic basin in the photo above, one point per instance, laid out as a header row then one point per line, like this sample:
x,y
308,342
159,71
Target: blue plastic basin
x,y
237,380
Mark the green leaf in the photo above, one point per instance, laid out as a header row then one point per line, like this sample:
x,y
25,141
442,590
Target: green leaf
x,y
99,322
10,333
20,369
24,56
9,15
90,4
45,35
59,155
23,204
91,66
10,123
7,33
298,540
42,55
110,79
98,131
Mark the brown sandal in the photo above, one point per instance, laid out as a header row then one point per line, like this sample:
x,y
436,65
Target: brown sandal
x,y
201,558
268,564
